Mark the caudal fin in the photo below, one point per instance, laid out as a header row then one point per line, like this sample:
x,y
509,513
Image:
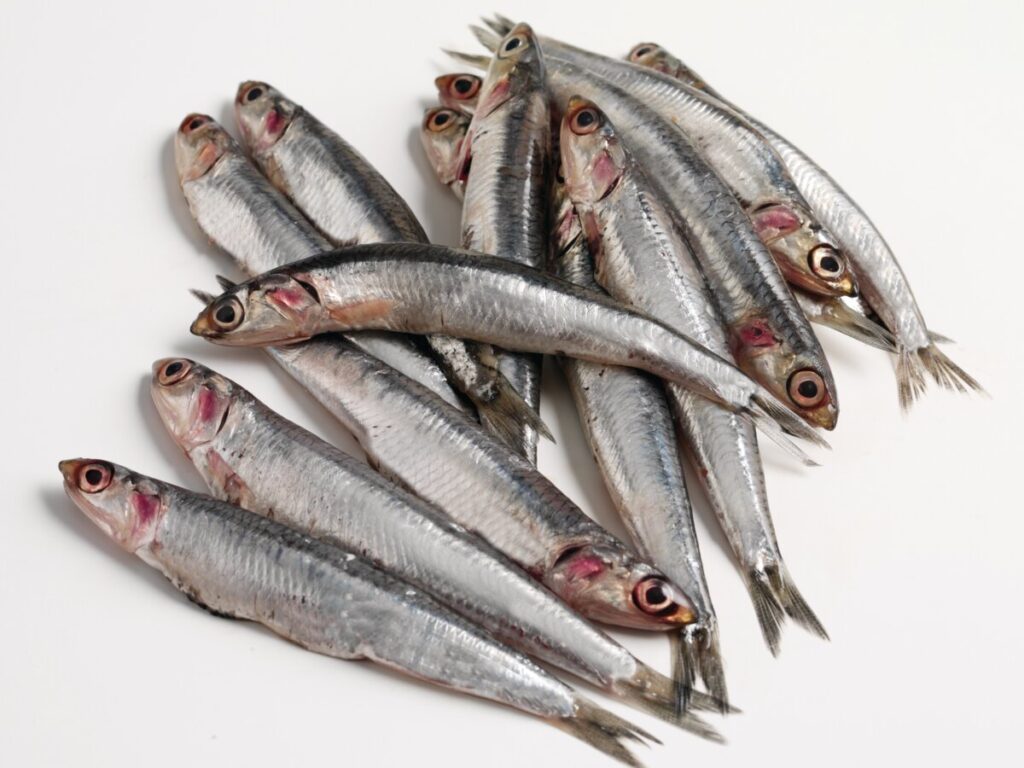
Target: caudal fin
x,y
912,365
776,597
696,655
652,692
485,37
505,414
602,730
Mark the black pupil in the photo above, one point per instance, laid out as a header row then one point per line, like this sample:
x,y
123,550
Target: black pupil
x,y
253,94
655,595
585,118
93,476
173,368
195,124
441,118
643,51
512,44
807,389
463,86
829,264
225,314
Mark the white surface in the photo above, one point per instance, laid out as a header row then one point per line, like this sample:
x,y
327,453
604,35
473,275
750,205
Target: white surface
x,y
907,542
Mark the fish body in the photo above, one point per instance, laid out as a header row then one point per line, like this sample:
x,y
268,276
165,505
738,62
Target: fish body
x,y
507,157
323,598
240,211
348,200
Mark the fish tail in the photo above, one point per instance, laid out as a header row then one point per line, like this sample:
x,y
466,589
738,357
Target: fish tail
x,y
502,24
938,338
913,364
658,695
696,653
602,730
473,60
505,414
775,597
485,37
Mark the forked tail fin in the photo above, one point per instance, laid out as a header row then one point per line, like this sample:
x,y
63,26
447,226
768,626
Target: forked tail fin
x,y
912,365
658,695
602,730
775,597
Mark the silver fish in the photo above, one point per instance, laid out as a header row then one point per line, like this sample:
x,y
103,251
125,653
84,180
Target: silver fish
x,y
350,202
422,288
641,257
413,437
505,159
806,253
244,214
881,279
237,564
250,456
770,337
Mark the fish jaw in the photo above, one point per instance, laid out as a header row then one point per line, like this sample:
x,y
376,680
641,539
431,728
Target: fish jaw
x,y
263,114
278,309
193,402
593,159
198,144
125,507
516,61
442,133
602,586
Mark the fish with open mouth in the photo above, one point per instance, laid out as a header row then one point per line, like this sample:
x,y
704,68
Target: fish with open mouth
x,y
882,282
348,200
641,257
323,598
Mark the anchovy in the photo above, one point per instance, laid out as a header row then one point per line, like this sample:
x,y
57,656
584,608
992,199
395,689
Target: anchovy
x,y
441,134
421,288
244,214
769,336
250,456
350,202
881,279
805,251
642,258
237,564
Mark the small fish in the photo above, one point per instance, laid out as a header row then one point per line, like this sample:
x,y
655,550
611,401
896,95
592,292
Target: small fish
x,y
505,159
422,288
240,211
807,253
350,202
642,258
882,281
459,91
442,132
239,565
250,456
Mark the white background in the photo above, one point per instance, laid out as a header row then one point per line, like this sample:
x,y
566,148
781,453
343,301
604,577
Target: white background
x,y
907,542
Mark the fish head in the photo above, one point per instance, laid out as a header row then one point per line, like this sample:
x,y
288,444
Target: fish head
x,y
803,252
609,585
593,159
275,308
442,133
653,56
517,66
459,91
125,506
263,114
192,400
794,379
199,143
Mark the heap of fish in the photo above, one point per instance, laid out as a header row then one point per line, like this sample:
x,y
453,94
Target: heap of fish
x,y
669,250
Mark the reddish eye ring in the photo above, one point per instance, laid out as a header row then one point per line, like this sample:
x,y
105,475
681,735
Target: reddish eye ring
x,y
192,122
640,51
585,121
653,596
440,119
94,477
174,371
254,93
806,388
464,87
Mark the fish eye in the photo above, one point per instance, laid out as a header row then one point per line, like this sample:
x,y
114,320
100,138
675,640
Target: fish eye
x,y
806,388
94,477
653,596
640,52
439,119
826,262
253,93
465,86
513,43
585,121
191,122
227,314
173,371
